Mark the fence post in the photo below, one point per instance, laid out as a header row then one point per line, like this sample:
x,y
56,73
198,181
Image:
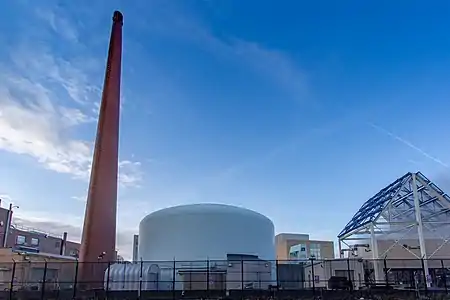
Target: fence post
x,y
444,275
278,275
424,277
190,279
349,275
386,278
140,279
313,277
75,281
13,274
242,273
124,282
174,273
107,278
207,276
44,278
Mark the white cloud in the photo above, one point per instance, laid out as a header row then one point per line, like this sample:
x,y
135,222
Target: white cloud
x,y
40,65
36,118
74,116
79,198
130,173
33,128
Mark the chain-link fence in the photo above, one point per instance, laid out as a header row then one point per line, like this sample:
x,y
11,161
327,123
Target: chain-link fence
x,y
328,279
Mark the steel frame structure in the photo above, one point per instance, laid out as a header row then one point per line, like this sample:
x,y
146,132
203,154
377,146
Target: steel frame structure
x,y
410,205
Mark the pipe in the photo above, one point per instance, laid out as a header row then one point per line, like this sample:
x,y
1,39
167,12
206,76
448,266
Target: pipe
x,y
7,226
62,249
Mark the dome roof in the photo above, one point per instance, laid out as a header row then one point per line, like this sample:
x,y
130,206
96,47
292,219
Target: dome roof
x,y
204,208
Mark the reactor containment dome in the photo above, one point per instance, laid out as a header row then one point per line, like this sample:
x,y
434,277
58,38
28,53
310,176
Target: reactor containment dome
x,y
205,232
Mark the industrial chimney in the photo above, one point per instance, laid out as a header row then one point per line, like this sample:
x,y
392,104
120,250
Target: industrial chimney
x,y
99,231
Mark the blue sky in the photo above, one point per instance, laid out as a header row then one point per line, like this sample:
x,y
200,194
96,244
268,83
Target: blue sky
x,y
301,111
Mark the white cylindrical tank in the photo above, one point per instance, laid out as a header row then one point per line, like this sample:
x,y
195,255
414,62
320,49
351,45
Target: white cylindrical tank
x,y
205,231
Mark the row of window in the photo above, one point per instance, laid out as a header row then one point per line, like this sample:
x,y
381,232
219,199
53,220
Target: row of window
x,y
22,240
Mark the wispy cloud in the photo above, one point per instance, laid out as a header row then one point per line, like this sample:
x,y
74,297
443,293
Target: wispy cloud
x,y
61,75
408,144
79,198
57,21
130,173
74,116
272,64
276,66
31,124
43,100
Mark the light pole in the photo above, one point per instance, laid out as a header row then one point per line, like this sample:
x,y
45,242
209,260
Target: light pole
x,y
8,224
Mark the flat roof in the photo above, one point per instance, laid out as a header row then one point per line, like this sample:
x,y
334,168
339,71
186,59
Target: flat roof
x,y
50,255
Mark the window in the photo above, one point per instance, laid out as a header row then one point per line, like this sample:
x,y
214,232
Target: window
x,y
34,242
74,253
314,251
298,252
20,240
58,245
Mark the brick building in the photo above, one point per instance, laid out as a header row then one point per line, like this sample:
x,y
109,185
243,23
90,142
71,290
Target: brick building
x,y
30,240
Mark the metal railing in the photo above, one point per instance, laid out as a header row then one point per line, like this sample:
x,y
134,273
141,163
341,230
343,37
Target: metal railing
x,y
328,279
21,227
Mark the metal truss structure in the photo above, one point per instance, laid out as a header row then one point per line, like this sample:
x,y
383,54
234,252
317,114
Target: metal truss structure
x,y
410,206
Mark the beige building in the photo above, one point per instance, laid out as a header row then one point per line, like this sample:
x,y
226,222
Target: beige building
x,y
291,246
26,270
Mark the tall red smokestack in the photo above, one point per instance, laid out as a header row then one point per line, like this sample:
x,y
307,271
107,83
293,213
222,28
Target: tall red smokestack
x,y
99,231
